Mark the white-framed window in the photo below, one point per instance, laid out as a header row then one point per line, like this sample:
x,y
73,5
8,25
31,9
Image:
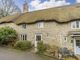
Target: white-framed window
x,y
40,24
38,37
23,36
24,26
75,25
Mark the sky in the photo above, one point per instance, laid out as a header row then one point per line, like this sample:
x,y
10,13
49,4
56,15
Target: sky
x,y
44,4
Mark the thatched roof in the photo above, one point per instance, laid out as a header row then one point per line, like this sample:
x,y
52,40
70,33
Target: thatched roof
x,y
10,18
58,14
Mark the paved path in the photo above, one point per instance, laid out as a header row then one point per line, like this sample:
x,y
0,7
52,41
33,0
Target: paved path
x,y
9,54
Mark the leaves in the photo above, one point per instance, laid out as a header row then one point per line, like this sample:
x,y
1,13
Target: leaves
x,y
7,35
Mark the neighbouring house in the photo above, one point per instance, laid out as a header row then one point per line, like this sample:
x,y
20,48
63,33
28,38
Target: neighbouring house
x,y
58,26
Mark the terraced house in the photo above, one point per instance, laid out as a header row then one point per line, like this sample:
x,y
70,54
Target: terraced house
x,y
58,26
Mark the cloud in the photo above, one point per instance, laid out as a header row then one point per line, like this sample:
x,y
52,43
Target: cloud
x,y
78,1
37,5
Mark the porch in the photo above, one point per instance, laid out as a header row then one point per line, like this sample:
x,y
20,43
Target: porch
x,y
75,36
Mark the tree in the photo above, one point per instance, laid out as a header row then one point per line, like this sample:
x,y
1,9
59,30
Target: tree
x,y
7,36
8,7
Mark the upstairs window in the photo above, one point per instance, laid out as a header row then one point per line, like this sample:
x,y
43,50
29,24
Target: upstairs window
x,y
75,24
24,26
40,25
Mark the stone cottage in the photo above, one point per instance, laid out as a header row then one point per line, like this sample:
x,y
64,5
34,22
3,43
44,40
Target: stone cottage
x,y
58,26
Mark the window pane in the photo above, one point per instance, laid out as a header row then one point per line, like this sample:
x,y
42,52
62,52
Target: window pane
x,y
38,38
21,37
77,24
24,26
73,24
40,25
25,37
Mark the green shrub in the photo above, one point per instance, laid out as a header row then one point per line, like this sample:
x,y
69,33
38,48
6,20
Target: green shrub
x,y
23,45
7,35
41,47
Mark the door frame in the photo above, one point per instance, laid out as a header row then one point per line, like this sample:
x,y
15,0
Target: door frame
x,y
75,47
35,42
74,41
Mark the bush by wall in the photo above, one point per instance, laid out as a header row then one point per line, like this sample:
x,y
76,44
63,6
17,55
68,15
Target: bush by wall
x,y
7,35
23,45
41,47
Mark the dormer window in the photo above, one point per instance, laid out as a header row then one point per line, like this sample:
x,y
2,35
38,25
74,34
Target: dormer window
x,y
24,26
75,24
40,24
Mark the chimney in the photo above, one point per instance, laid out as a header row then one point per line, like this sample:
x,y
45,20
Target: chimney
x,y
25,7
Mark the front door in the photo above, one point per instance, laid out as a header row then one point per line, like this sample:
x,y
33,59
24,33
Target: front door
x,y
38,37
78,47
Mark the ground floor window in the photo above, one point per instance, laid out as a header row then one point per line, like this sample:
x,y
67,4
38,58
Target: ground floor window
x,y
23,37
38,37
78,43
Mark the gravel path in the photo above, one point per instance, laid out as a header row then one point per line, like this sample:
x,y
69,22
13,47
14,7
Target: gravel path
x,y
10,54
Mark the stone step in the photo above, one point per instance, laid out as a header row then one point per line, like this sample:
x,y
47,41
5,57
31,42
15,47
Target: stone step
x,y
78,57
